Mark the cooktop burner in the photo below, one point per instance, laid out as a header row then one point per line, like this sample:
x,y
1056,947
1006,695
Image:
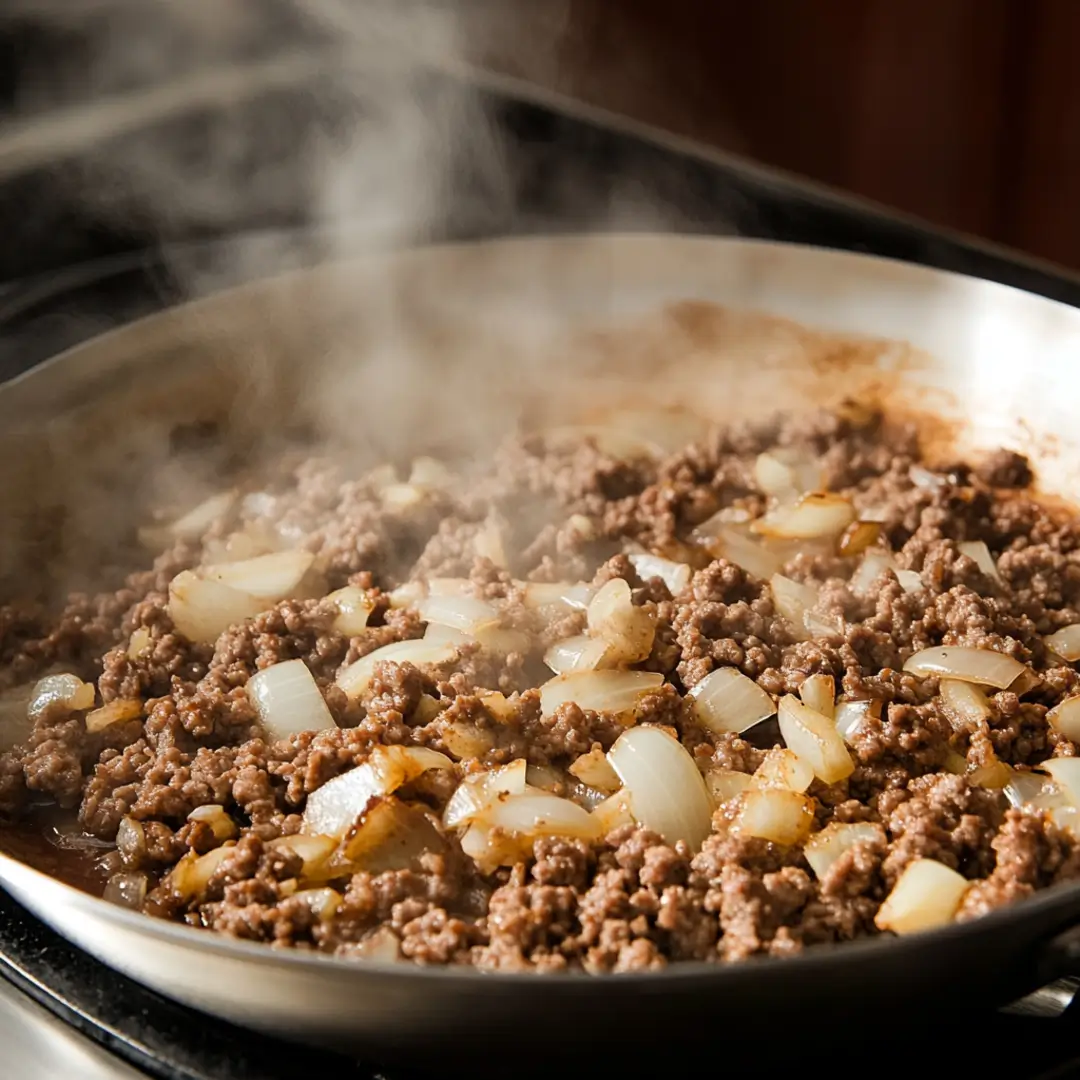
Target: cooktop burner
x,y
62,1013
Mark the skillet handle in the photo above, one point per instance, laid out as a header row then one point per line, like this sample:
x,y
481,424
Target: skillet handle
x,y
1059,966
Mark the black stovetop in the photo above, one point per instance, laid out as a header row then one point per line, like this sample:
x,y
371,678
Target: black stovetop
x,y
557,155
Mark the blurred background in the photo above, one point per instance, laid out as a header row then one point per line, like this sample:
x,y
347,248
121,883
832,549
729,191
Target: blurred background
x,y
963,112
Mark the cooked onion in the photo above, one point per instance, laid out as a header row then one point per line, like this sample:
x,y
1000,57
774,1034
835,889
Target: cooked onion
x,y
131,841
478,792
389,835
963,703
1065,642
578,653
627,630
356,678
857,537
986,666
850,716
818,692
1025,682
273,577
732,545
382,945
323,902
403,497
595,770
601,691
785,769
726,784
67,692
874,564
464,740
407,595
354,609
675,575
1024,787
465,613
490,544
727,700
541,814
126,889
223,826
796,602
288,700
116,712
813,515
775,814
189,526
1065,717
573,596
825,847
815,739
977,550
492,638
786,474
614,812
139,643
1066,772
202,610
909,580
315,851
334,808
927,894
448,586
500,707
191,875
994,774
667,793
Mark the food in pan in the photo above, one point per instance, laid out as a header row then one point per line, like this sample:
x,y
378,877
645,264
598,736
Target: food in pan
x,y
618,697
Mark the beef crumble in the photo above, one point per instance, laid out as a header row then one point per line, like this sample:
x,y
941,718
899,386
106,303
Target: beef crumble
x,y
196,795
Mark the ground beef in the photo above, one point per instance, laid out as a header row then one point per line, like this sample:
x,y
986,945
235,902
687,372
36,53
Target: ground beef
x,y
206,802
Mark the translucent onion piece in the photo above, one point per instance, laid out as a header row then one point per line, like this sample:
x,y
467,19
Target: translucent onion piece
x,y
850,716
985,666
492,638
426,472
1025,682
857,537
490,544
273,577
131,841
223,826
67,692
382,945
601,691
191,875
818,692
354,609
407,595
334,808
478,792
595,770
784,769
315,851
573,596
825,847
815,739
963,703
925,479
448,586
193,524
1065,718
140,643
356,678
874,564
578,653
776,814
675,575
203,610
746,553
323,902
994,775
388,836
288,700
541,814
955,763
1025,787
909,580
728,700
927,895
544,778
498,705
116,712
126,889
726,784
667,793
1066,817
627,629
796,602
614,812
464,740
1065,643
465,613
775,477
1066,773
977,550
814,515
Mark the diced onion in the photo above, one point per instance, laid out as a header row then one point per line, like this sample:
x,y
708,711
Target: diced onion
x,y
382,945
273,577
667,793
476,793
744,552
728,700
493,638
1066,772
578,653
825,847
857,537
595,770
985,666
815,739
573,596
203,610
675,575
727,784
389,835
1025,682
874,564
775,814
131,841
796,602
489,544
1024,788
955,763
1065,717
465,613
627,629
407,595
323,902
223,826
140,643
68,692
813,515
1065,642
977,550
191,525
448,586
288,700
818,692
851,715
994,775
334,807
541,814
785,475
126,889
601,691
313,850
785,769
354,609
191,875
614,812
116,712
356,678
926,895
909,580
464,740
500,707
963,703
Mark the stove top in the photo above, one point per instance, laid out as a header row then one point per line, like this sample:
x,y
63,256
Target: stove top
x,y
62,1013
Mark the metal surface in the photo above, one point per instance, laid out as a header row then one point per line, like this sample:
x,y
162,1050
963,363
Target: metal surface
x,y
432,329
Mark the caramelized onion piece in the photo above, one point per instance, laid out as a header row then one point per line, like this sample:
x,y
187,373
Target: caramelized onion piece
x,y
1065,643
388,836
65,691
815,739
851,715
478,792
776,814
1065,717
625,628
288,700
126,889
314,850
814,515
857,537
595,770
927,895
601,691
818,692
356,678
354,609
541,814
825,847
796,602
985,666
323,902
190,877
783,768
222,826
728,700
614,812
116,712
963,703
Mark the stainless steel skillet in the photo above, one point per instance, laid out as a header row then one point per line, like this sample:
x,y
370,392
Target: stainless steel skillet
x,y
450,346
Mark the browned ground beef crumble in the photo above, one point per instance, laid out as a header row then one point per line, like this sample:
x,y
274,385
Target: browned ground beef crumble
x,y
631,901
